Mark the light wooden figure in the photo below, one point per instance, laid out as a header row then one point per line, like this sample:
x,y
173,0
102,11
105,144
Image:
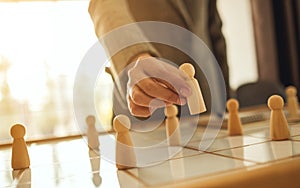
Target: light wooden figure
x,y
234,125
278,124
195,101
172,126
20,158
292,101
125,156
92,134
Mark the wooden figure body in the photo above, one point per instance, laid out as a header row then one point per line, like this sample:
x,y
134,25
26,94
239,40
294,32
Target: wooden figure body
x,y
125,156
172,126
20,158
278,124
292,101
92,134
195,100
234,125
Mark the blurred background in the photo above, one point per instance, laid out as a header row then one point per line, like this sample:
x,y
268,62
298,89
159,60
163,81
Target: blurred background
x,y
42,43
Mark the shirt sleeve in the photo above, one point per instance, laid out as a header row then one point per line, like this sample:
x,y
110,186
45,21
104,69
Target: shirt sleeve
x,y
108,16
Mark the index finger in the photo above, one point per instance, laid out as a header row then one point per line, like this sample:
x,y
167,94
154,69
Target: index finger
x,y
174,79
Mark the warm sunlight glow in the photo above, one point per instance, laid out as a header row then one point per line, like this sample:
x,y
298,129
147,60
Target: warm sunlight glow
x,y
41,46
40,38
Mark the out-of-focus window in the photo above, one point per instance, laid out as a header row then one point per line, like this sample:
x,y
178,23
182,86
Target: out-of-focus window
x,y
41,46
238,31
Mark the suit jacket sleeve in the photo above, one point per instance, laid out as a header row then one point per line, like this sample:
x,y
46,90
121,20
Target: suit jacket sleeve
x,y
108,16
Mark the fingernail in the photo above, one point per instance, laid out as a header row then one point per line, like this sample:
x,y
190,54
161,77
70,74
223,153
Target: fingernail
x,y
179,101
183,101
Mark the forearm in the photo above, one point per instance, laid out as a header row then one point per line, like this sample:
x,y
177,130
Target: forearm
x,y
108,16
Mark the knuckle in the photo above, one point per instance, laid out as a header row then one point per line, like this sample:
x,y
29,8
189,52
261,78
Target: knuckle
x,y
132,108
131,72
137,97
139,64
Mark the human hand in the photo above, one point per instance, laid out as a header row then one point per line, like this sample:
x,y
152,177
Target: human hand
x,y
154,84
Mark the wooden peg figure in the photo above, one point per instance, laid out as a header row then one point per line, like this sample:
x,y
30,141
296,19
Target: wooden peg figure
x,y
20,158
292,101
125,156
172,126
195,101
278,124
234,125
92,134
